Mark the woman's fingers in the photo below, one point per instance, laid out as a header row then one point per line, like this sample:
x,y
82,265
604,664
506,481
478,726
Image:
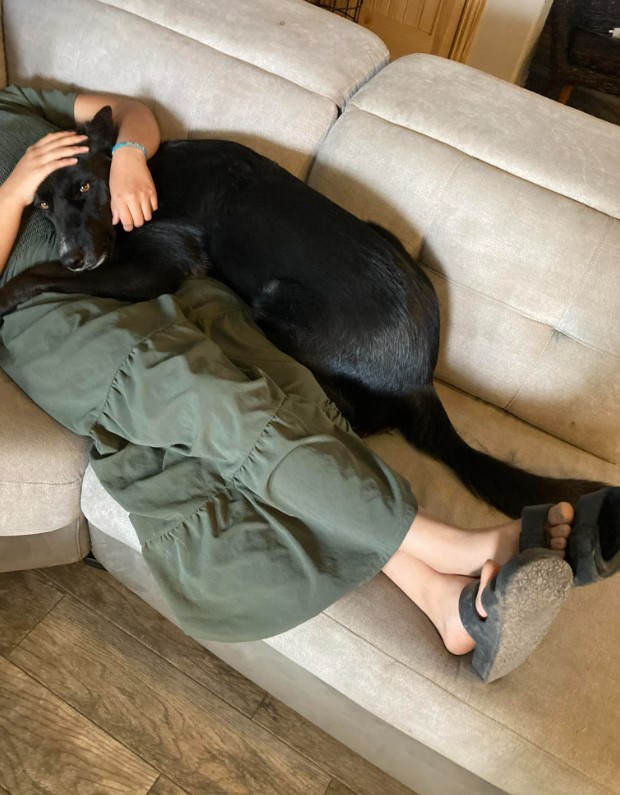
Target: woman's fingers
x,y
56,150
134,210
58,145
52,152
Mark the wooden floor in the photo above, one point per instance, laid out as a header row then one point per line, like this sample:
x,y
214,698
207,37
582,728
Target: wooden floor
x,y
100,695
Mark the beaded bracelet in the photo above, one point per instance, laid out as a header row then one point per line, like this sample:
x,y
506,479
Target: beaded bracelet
x,y
131,143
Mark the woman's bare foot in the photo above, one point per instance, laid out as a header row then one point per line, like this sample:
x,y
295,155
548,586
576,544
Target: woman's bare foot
x,y
438,596
451,550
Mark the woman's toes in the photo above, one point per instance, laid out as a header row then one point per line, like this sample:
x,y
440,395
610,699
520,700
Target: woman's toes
x,y
558,526
558,545
560,514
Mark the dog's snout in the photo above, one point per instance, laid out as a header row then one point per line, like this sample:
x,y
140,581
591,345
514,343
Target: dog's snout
x,y
73,259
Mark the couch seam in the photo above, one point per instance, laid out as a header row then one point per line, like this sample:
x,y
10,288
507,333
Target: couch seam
x,y
3,481
463,159
481,160
587,270
520,312
76,536
228,54
558,329
526,422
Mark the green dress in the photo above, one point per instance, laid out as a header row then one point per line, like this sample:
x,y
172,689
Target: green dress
x,y
255,504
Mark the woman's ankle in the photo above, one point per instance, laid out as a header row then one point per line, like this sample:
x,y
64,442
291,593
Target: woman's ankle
x,y
451,550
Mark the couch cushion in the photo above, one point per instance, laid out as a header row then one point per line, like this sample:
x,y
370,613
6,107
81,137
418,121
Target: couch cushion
x,y
277,90
512,235
501,124
41,467
325,54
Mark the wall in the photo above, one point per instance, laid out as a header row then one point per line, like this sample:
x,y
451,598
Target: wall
x,y
507,34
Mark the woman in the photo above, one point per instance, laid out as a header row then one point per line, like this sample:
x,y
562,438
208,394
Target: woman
x,y
255,503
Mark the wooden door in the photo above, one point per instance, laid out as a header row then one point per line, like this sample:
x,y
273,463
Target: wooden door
x,y
414,25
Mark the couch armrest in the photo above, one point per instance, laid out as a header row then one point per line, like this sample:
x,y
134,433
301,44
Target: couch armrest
x,y
41,467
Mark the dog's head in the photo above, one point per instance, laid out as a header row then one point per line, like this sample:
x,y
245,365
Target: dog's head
x,y
76,199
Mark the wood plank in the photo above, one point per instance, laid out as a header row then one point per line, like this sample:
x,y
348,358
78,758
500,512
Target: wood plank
x,y
340,762
413,12
25,598
397,9
163,786
178,726
48,748
429,15
420,26
108,597
337,788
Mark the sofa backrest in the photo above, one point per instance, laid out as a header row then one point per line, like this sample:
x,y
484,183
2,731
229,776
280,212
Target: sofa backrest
x,y
272,74
511,202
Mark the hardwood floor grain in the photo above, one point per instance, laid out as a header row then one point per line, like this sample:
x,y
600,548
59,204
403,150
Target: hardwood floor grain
x,y
100,591
337,788
194,738
343,764
48,748
163,786
101,695
25,598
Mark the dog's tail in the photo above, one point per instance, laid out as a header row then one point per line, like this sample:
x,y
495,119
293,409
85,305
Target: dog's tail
x,y
425,424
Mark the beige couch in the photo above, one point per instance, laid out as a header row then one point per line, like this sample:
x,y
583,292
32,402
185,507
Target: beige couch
x,y
512,203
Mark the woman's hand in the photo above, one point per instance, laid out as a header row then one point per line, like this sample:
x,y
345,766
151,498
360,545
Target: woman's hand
x,y
132,191
54,151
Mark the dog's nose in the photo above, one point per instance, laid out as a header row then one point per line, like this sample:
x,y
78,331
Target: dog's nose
x,y
74,259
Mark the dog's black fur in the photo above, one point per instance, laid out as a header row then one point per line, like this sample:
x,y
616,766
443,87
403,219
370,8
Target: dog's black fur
x,y
340,295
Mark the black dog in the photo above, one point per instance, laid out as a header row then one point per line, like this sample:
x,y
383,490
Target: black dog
x,y
340,295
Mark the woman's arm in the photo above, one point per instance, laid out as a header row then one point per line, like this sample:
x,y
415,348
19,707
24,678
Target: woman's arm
x,y
131,187
56,150
133,194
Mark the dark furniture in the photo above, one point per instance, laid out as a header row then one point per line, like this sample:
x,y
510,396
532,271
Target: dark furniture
x,y
583,52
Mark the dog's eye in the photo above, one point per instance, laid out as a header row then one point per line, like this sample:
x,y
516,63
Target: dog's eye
x,y
44,206
85,187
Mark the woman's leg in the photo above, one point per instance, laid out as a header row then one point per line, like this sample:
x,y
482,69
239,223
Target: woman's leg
x,y
437,560
437,595
451,550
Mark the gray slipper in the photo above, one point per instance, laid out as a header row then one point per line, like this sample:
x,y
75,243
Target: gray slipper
x,y
522,602
593,550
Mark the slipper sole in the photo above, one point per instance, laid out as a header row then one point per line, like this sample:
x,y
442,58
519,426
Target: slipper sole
x,y
521,609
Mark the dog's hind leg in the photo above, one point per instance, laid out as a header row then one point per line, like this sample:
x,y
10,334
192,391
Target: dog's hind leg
x,y
287,311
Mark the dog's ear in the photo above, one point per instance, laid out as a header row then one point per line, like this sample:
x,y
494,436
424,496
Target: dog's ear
x,y
101,132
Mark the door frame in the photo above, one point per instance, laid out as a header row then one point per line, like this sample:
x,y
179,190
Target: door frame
x,y
466,30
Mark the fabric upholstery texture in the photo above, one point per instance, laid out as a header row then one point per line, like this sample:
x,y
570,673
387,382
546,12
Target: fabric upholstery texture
x,y
522,133
280,38
57,547
514,260
198,67
41,467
